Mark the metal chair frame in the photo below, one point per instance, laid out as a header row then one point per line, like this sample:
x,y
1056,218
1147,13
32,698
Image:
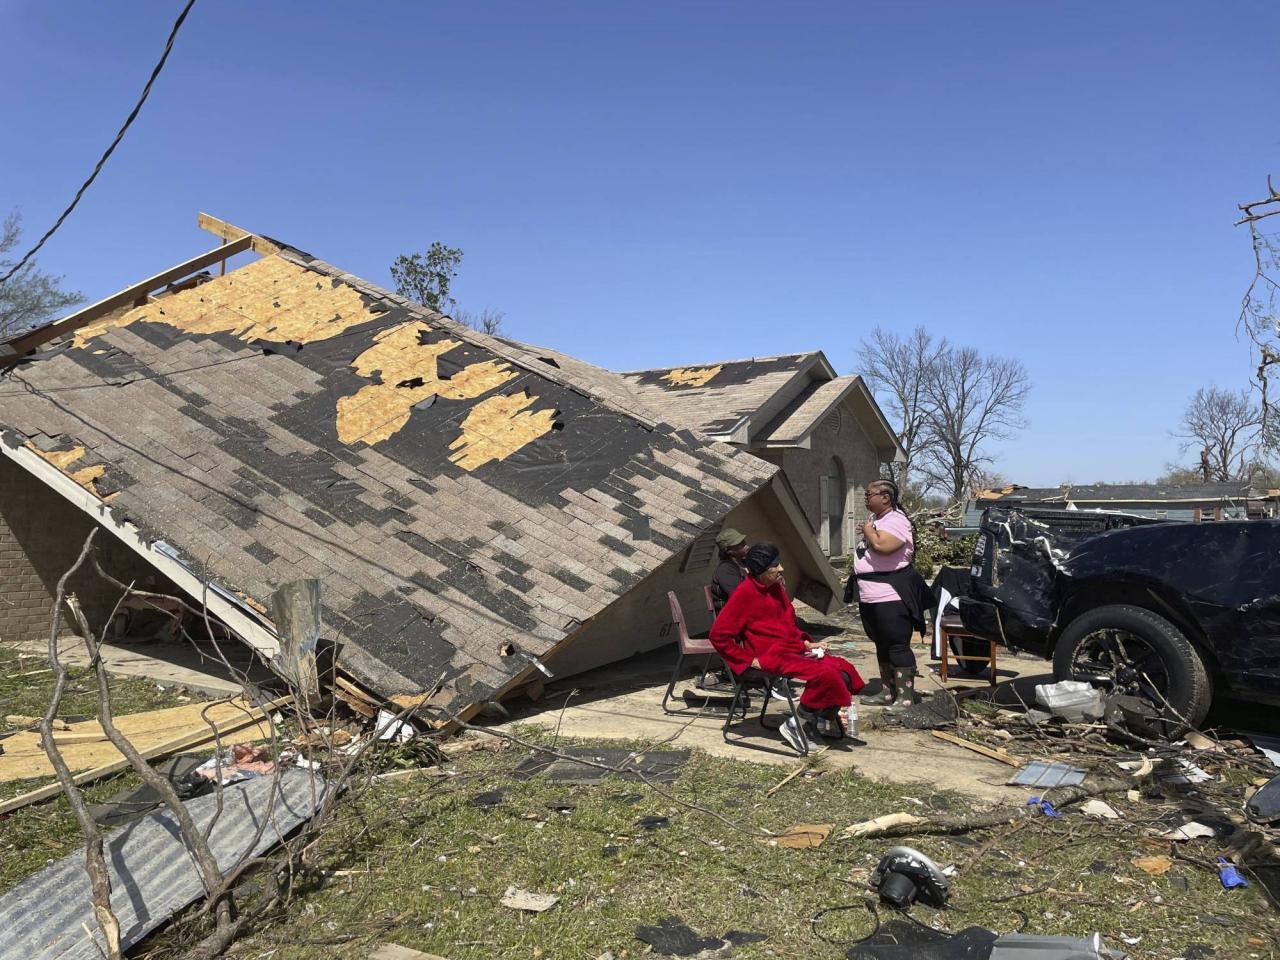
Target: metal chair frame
x,y
689,647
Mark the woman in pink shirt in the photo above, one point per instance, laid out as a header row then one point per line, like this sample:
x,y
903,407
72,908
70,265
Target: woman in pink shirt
x,y
887,545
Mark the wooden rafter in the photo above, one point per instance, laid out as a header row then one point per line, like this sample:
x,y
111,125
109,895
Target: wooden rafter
x,y
229,231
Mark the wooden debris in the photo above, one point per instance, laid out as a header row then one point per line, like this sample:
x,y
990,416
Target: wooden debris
x,y
242,718
808,764
1156,866
393,951
497,427
1000,755
804,836
878,824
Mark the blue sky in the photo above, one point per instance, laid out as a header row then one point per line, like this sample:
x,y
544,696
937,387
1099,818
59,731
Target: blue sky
x,y
655,183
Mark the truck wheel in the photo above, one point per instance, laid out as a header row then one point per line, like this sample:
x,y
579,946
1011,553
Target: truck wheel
x,y
1131,650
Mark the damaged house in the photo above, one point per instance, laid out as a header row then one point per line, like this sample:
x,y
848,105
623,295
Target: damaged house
x,y
474,510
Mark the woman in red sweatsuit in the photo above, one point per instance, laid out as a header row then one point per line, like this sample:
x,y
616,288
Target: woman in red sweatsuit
x,y
758,626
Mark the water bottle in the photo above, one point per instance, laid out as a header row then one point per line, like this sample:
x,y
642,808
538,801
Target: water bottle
x,y
849,718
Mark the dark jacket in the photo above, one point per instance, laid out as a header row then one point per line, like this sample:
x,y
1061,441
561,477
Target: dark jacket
x,y
725,580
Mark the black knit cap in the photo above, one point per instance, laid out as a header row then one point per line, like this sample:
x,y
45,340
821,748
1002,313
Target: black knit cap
x,y
761,557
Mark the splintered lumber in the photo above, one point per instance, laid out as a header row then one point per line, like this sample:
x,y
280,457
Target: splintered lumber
x,y
1000,755
233,717
880,824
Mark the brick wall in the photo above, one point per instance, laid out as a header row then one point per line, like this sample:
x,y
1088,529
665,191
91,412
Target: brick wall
x,y
840,437
40,537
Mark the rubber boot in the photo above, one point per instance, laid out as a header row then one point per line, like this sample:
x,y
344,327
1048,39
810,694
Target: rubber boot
x,y
904,679
888,689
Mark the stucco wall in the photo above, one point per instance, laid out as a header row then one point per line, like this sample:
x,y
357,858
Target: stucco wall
x,y
840,437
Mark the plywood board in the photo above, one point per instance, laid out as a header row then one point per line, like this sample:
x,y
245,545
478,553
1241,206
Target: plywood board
x,y
24,757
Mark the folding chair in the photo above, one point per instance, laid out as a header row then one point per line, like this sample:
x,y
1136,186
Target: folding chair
x,y
689,647
742,682
952,626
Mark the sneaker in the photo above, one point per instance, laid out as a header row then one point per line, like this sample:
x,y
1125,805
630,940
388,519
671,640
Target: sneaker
x,y
793,732
778,691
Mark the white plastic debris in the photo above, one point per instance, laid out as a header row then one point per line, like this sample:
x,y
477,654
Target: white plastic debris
x,y
518,898
1099,808
1189,831
1073,700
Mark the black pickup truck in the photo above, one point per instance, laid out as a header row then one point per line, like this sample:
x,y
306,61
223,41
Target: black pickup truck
x,y
1176,613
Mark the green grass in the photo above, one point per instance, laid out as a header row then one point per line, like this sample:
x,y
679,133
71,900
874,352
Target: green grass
x,y
38,834
430,871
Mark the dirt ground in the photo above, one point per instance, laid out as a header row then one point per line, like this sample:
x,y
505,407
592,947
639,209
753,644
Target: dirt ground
x,y
623,701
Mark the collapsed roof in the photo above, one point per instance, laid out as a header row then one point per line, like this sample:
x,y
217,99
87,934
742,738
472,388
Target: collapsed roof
x,y
466,507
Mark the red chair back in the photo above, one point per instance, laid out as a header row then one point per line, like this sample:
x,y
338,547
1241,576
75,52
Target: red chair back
x,y
688,644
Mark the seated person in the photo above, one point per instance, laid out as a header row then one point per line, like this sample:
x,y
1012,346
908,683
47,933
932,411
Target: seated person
x,y
757,628
732,568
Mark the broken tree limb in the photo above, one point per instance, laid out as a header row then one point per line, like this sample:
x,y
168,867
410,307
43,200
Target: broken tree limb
x,y
94,861
999,755
879,825
807,765
997,817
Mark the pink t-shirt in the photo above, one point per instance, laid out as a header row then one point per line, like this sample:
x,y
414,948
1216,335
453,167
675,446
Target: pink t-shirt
x,y
866,560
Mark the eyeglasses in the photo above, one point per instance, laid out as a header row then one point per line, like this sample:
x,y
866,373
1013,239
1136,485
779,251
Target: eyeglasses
x,y
877,493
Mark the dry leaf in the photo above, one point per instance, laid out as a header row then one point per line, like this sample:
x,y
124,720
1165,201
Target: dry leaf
x,y
1156,866
805,835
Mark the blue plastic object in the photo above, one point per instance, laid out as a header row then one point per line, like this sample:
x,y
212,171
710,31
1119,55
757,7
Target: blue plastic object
x,y
1230,875
1045,807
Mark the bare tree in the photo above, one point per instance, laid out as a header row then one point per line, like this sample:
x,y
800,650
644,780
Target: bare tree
x,y
486,321
897,368
971,400
1223,427
1260,306
30,297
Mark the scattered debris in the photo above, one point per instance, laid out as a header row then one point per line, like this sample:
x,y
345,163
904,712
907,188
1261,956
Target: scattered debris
x,y
1229,875
804,835
879,825
673,937
905,875
1000,755
1038,773
393,951
49,916
1191,830
1156,866
931,714
518,898
1073,700
660,766
490,798
1032,946
1264,805
1100,809
131,804
653,822
1185,772
239,762
1044,806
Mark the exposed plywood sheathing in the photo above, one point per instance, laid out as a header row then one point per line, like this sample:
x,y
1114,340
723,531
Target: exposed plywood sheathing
x,y
409,373
61,459
691,376
24,758
270,299
498,427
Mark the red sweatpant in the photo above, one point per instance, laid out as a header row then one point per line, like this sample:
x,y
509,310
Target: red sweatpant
x,y
824,677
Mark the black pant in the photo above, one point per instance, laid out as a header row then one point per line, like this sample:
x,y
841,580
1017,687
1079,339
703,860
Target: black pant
x,y
890,628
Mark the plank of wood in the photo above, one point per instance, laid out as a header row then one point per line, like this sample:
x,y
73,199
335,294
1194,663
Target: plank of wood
x,y
11,350
229,231
190,739
1000,755
393,951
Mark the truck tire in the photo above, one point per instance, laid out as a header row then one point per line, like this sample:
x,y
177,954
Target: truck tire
x,y
1155,650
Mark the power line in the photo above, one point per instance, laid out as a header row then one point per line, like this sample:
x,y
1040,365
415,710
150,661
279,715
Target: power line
x,y
146,91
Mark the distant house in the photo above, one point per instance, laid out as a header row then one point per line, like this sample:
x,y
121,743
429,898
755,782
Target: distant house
x,y
826,432
1186,502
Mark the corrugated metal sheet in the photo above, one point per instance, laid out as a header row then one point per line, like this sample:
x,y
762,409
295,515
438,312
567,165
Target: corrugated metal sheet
x,y
152,874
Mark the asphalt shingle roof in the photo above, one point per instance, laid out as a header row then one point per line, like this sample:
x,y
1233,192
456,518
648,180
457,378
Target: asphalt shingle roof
x,y
461,503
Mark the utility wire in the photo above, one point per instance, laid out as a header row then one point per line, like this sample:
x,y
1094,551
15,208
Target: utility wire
x,y
146,91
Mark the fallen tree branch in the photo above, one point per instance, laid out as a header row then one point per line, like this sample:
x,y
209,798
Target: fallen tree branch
x,y
94,862
894,826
